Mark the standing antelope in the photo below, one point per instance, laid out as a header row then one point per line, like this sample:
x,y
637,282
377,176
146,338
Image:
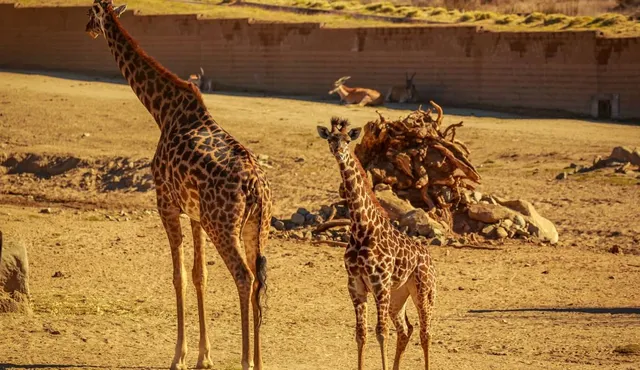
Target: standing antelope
x,y
403,94
205,84
356,95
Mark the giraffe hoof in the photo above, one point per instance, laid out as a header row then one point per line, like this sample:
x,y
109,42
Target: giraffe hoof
x,y
204,364
178,366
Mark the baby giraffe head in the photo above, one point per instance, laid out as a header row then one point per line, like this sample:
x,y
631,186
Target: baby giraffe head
x,y
98,15
338,137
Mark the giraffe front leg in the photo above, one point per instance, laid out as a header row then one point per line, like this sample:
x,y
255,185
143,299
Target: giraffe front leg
x,y
358,294
171,220
383,298
199,275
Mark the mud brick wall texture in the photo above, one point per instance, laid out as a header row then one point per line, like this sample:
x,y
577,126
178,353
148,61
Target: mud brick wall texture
x,y
456,65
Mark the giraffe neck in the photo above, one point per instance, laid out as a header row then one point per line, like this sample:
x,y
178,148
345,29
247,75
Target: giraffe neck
x,y
363,208
163,93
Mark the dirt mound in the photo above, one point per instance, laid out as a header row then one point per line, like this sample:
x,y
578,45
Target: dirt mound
x,y
99,175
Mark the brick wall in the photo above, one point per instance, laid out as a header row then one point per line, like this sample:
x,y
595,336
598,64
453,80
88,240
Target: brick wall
x,y
461,65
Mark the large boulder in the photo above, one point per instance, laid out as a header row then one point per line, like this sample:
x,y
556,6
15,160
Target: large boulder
x,y
394,206
539,226
418,222
518,213
14,276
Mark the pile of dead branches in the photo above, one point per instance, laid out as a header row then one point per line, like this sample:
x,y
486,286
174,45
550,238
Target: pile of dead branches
x,y
421,161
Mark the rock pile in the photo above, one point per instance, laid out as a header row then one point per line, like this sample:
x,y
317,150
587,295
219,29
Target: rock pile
x,y
14,277
625,161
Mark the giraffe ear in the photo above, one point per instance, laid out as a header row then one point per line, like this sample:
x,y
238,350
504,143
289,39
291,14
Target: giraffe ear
x,y
119,10
354,133
323,132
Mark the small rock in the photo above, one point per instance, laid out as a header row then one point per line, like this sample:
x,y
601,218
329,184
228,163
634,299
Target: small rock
x,y
263,157
46,210
460,288
86,134
298,219
299,159
57,274
321,237
279,225
612,277
437,241
507,223
477,196
519,220
326,211
501,233
562,176
345,237
297,235
616,249
545,272
488,230
302,211
527,265
313,219
310,264
211,263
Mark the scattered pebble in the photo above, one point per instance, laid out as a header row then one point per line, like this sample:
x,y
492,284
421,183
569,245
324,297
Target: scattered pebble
x,y
58,274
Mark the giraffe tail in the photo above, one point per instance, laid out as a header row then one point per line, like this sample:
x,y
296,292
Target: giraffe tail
x,y
264,223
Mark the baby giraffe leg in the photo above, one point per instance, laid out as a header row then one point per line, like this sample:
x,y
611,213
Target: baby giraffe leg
x,y
401,322
383,300
358,294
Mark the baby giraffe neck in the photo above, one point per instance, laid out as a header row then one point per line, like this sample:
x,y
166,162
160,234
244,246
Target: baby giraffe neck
x,y
362,208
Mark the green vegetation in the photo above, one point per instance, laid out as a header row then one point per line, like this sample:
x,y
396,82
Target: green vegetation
x,y
609,23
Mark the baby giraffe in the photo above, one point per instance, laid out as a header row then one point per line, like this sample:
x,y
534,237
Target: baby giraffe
x,y
379,258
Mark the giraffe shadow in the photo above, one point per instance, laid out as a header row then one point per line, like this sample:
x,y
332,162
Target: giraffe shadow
x,y
588,310
4,366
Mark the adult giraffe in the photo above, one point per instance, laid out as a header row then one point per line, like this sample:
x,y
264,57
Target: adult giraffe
x,y
202,171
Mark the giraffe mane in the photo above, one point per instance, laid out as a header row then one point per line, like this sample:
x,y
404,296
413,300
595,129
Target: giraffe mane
x,y
180,83
339,125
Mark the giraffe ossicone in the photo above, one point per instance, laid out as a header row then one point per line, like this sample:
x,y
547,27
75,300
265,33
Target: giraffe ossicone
x,y
379,258
200,170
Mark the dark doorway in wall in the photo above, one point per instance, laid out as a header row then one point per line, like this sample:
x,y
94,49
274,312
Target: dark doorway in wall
x,y
604,109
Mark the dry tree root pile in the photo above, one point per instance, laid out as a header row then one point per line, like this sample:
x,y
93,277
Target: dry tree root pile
x,y
420,161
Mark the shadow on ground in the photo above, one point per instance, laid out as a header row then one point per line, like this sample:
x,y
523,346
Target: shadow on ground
x,y
590,310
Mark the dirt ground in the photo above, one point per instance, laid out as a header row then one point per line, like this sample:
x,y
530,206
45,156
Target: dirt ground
x,y
525,306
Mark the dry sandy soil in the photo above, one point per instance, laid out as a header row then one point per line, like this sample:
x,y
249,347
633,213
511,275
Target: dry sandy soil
x,y
525,306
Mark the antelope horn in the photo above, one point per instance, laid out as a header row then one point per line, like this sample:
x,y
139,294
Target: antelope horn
x,y
341,80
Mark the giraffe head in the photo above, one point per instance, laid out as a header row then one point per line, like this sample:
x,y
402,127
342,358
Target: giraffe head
x,y
97,15
338,137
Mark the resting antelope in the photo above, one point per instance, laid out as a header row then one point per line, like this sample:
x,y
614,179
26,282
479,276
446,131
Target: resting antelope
x,y
403,94
356,95
203,83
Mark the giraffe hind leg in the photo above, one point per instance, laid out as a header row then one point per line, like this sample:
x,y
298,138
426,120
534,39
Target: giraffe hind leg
x,y
404,329
226,237
423,295
253,241
199,275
